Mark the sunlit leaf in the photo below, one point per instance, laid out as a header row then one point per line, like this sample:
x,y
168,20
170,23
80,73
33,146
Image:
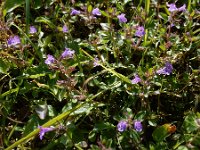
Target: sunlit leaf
x,y
10,5
103,126
190,123
4,67
160,133
46,21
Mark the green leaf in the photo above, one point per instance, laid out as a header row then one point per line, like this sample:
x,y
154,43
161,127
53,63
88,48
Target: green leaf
x,y
9,92
162,47
92,136
111,70
49,2
46,21
196,140
163,16
3,66
152,122
31,125
190,124
140,115
37,4
10,5
160,133
134,135
47,40
103,126
182,147
90,8
105,26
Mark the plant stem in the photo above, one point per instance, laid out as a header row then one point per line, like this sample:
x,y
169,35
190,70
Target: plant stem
x,y
27,16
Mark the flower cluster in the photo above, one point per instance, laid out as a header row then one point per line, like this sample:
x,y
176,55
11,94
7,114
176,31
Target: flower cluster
x,y
122,126
140,31
167,70
68,53
173,8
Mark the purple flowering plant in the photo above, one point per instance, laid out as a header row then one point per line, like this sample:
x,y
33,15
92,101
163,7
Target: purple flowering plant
x,y
122,126
44,130
136,79
96,12
32,30
166,70
74,12
96,62
173,8
127,102
50,59
68,53
140,31
138,126
13,40
122,18
65,29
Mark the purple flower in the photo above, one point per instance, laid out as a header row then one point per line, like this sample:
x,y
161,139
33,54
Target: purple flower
x,y
75,12
65,29
172,25
50,59
138,126
122,18
96,62
43,130
182,8
172,7
67,53
32,30
121,126
140,31
96,12
165,70
14,40
136,80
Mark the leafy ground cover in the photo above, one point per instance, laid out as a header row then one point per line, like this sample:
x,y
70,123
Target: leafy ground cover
x,y
118,74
